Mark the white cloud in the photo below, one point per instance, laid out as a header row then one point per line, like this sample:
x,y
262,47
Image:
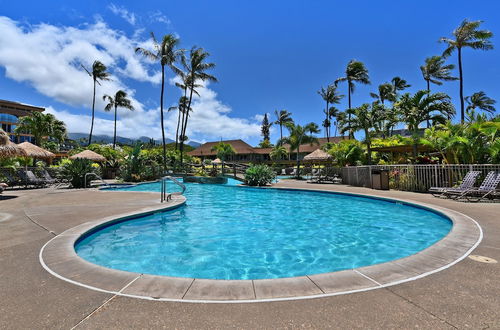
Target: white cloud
x,y
54,70
123,13
159,17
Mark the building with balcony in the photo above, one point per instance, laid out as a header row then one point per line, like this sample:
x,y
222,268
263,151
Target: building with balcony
x,y
10,112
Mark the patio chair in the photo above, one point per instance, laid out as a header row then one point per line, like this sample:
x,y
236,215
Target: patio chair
x,y
11,180
30,179
46,176
487,188
3,186
467,183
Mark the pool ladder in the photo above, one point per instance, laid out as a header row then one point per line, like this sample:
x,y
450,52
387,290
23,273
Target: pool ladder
x,y
96,176
165,197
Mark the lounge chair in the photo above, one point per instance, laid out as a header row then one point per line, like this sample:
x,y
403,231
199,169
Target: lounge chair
x,y
46,176
467,183
11,180
3,186
30,179
487,188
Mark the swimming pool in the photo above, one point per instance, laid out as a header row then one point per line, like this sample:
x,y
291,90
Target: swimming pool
x,y
229,232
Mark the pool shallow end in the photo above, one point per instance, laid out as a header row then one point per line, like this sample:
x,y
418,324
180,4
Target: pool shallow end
x,y
60,259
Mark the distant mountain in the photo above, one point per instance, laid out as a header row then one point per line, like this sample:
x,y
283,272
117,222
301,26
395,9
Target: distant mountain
x,y
106,139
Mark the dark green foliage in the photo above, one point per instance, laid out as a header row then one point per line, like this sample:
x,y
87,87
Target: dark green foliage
x,y
259,175
75,171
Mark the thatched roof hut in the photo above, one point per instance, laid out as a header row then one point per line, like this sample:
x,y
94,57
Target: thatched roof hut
x,y
35,151
90,155
7,148
318,155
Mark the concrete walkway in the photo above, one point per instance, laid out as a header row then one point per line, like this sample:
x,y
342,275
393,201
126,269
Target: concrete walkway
x,y
466,295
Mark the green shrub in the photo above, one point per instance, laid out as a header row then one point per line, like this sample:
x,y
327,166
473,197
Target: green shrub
x,y
259,175
75,171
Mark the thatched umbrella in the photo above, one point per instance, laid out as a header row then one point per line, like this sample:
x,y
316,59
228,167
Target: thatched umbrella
x,y
7,148
318,155
90,155
35,151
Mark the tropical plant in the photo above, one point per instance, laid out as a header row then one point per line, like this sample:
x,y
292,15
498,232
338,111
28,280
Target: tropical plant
x,y
399,84
435,71
119,101
265,144
386,91
421,107
265,128
43,127
259,175
330,96
97,74
166,53
347,152
480,101
133,167
196,68
223,150
278,152
466,35
365,118
75,171
283,117
297,137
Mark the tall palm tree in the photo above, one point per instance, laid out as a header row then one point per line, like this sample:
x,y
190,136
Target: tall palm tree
x,y
166,53
282,117
422,106
435,71
331,96
480,101
327,122
42,127
365,118
196,67
184,86
223,150
399,84
98,73
312,128
466,35
119,101
297,137
356,72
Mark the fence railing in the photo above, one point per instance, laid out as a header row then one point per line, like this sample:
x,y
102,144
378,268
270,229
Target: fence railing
x,y
415,177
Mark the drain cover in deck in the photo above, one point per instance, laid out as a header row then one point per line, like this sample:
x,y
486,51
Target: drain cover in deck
x,y
483,259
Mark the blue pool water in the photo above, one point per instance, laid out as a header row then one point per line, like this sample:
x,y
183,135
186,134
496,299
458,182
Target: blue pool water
x,y
230,232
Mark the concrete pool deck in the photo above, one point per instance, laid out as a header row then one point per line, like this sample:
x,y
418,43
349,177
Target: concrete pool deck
x,y
466,294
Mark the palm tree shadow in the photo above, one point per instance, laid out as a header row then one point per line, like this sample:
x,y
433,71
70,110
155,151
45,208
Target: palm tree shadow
x,y
3,197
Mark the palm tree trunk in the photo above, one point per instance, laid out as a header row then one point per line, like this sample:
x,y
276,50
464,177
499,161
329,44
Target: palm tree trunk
x,y
184,128
351,135
428,93
114,134
368,148
161,118
326,127
462,109
179,120
92,122
281,131
298,164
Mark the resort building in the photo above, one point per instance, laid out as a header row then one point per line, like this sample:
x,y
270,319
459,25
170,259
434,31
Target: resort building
x,y
10,112
245,153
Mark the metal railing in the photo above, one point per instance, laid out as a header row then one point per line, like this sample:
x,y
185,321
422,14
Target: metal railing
x,y
96,176
418,178
165,197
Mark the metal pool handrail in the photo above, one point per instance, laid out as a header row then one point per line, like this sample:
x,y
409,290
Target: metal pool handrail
x,y
97,176
164,195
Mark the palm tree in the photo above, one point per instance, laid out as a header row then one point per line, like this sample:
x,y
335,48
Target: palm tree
x,y
278,152
98,73
312,128
119,101
481,101
421,107
399,84
183,101
297,137
435,71
330,96
339,119
266,128
283,117
356,72
42,127
196,68
386,91
166,53
466,35
224,150
365,118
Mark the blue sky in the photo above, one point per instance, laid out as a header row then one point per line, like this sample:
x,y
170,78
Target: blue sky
x,y
269,55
